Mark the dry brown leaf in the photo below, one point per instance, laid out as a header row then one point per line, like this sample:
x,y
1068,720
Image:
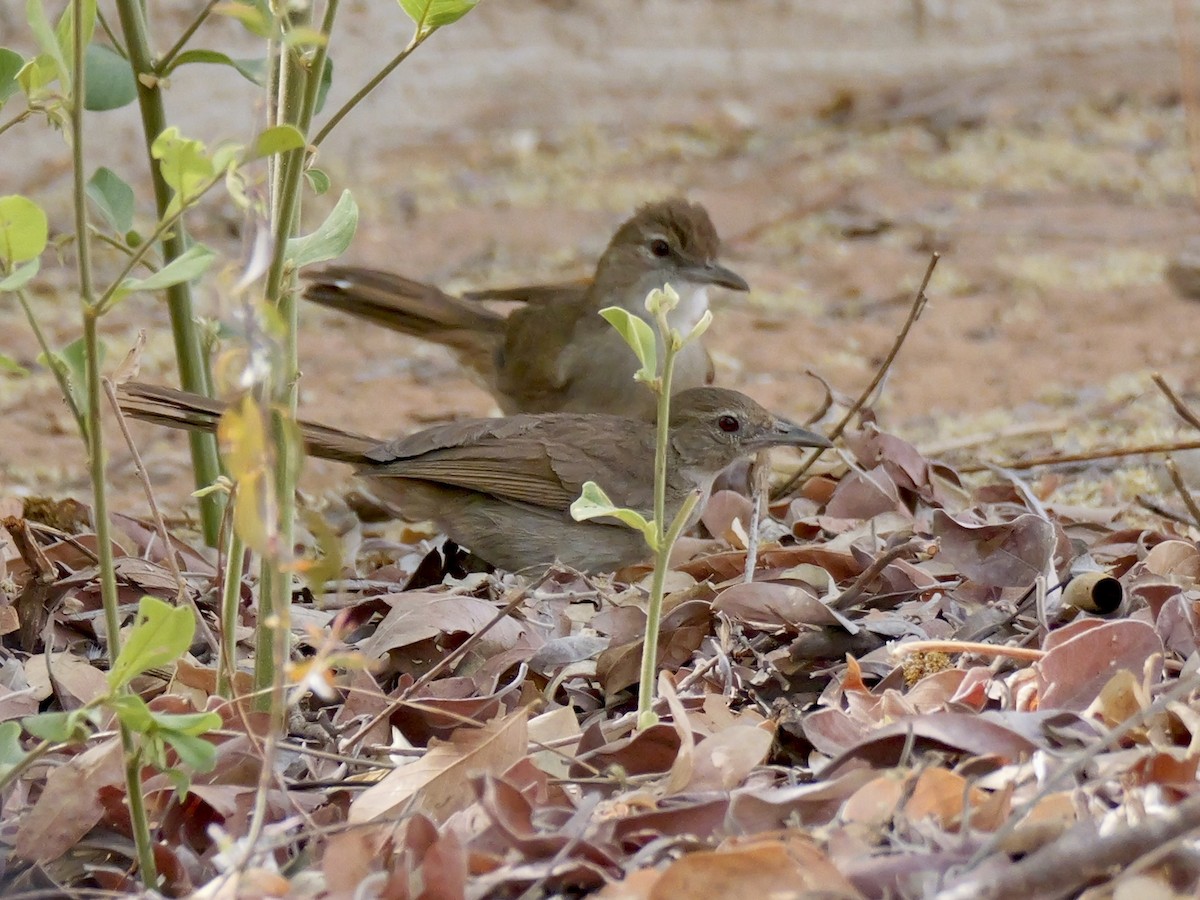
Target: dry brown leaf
x,y
1009,555
439,783
787,865
1073,671
69,806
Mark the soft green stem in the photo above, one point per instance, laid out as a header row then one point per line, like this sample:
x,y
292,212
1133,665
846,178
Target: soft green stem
x,y
95,440
16,120
231,593
362,92
297,85
55,367
138,254
189,354
164,63
662,548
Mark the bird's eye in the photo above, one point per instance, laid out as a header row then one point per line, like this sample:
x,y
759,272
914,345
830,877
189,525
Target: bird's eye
x,y
660,248
728,424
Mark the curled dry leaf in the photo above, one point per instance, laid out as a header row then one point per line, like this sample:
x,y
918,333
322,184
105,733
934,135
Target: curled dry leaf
x,y
1012,554
1075,670
765,604
861,495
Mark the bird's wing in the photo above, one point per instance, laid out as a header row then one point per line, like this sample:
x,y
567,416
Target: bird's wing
x,y
534,294
531,366
543,461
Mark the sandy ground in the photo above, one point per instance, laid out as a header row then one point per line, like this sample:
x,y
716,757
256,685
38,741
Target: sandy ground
x,y
1040,151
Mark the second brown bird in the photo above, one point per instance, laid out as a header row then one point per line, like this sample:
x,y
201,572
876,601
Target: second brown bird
x,y
555,353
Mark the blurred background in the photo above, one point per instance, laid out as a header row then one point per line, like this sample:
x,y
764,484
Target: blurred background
x,y
1038,145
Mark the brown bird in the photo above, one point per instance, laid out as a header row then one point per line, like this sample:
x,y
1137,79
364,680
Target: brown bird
x,y
504,487
555,353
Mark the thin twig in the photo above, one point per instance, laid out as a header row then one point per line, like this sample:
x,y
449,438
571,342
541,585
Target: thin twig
x,y
442,664
1088,456
182,594
979,648
760,473
871,572
1184,494
914,312
1182,409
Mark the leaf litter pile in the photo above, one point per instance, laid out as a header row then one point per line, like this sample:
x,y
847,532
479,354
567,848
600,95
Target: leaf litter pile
x,y
933,685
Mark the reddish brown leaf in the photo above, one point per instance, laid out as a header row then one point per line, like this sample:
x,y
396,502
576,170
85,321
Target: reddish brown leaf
x,y
1009,555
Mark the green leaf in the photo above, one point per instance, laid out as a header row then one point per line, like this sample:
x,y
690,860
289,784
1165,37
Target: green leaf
x,y
11,752
10,366
317,180
638,335
700,327
109,83
161,634
593,503
21,275
113,197
304,36
278,139
253,70
64,31
255,17
430,15
11,63
190,264
184,164
36,74
58,727
196,753
331,238
47,41
23,229
326,83
72,360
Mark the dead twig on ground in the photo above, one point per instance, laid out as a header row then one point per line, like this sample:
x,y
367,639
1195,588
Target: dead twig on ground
x,y
914,313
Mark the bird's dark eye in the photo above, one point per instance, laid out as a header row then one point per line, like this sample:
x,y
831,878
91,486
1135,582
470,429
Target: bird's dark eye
x,y
728,424
660,248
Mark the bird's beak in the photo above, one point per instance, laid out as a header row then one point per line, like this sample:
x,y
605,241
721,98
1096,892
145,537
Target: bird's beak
x,y
789,434
715,273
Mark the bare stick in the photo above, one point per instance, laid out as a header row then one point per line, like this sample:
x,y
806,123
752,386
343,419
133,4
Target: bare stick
x,y
1089,456
979,648
760,472
1079,857
871,572
1184,494
182,594
1182,409
914,312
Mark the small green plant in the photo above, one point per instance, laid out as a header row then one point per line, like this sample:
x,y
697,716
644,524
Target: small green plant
x,y
86,62
593,503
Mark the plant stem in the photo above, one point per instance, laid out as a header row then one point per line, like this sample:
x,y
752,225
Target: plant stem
x,y
662,550
189,354
164,63
297,85
95,440
59,375
231,590
362,92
